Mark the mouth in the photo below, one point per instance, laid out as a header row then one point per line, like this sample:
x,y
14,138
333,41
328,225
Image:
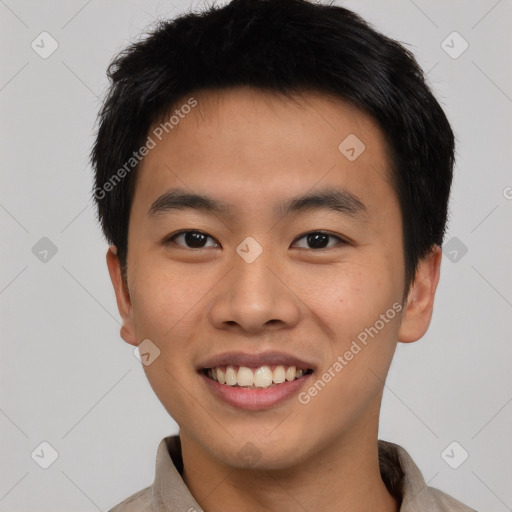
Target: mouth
x,y
255,382
260,377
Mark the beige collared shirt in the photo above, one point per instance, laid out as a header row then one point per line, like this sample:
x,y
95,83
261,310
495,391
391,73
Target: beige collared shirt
x,y
168,493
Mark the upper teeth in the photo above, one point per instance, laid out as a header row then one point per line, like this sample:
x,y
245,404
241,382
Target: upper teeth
x,y
261,377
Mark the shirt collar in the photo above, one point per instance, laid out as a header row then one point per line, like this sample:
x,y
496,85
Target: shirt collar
x,y
169,491
415,492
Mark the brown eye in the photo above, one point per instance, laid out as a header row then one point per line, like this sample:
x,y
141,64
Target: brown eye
x,y
190,239
319,240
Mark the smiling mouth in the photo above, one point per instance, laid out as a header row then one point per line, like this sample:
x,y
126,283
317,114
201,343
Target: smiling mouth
x,y
260,377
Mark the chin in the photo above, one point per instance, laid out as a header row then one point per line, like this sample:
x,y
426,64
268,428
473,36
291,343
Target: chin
x,y
264,452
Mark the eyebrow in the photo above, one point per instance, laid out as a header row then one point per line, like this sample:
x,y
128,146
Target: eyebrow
x,y
333,199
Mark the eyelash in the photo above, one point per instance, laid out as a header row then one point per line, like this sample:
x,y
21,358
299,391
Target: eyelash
x,y
171,238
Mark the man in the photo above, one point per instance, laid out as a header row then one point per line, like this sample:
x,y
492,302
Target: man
x,y
273,178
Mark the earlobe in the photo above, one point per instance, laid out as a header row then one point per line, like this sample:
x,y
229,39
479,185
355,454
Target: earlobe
x,y
123,299
418,308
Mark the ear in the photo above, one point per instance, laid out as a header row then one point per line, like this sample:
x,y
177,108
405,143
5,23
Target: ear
x,y
124,305
420,300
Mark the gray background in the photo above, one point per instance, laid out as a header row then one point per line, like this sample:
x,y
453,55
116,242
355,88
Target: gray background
x,y
68,379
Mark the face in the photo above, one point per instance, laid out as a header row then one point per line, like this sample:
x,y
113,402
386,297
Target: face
x,y
293,257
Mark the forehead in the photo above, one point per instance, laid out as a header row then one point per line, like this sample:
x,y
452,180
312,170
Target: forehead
x,y
247,147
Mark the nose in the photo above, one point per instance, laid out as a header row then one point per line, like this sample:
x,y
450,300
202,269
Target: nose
x,y
255,297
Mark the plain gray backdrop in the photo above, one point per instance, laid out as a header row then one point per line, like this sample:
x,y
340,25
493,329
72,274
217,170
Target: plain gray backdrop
x,y
69,380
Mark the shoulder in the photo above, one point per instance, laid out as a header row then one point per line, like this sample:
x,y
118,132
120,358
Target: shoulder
x,y
138,502
445,503
404,479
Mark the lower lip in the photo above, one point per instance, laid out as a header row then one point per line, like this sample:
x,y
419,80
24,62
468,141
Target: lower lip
x,y
255,399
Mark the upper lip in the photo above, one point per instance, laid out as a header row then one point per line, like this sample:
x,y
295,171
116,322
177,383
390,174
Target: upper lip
x,y
254,360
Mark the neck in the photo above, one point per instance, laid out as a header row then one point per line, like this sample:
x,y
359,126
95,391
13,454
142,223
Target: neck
x,y
343,476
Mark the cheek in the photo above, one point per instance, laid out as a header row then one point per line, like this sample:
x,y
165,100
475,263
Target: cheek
x,y
350,297
362,310
165,297
354,372
163,306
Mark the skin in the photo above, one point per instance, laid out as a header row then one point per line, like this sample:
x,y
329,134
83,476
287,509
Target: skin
x,y
252,149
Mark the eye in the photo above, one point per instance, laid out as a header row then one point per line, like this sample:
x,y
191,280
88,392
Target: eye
x,y
319,240
191,239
